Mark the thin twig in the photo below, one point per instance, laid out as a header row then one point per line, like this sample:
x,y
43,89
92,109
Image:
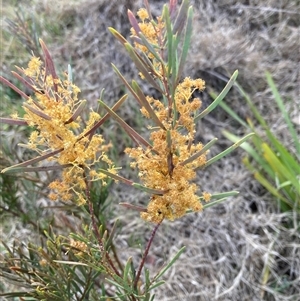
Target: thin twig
x,y
116,257
96,230
145,255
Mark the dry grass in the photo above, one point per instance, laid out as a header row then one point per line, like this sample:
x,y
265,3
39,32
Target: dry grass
x,y
231,246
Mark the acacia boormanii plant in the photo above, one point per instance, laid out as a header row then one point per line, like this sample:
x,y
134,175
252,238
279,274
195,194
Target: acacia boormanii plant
x,y
82,266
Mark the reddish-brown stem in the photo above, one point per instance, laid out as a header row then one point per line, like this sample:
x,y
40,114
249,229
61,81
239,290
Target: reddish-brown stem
x,y
96,230
138,275
113,249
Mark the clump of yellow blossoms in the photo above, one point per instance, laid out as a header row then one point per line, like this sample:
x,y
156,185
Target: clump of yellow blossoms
x,y
54,111
150,32
163,167
169,165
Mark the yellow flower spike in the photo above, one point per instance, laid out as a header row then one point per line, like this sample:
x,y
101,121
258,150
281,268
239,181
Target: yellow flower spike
x,y
170,169
61,136
169,165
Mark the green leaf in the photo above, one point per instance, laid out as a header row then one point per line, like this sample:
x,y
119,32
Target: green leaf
x,y
228,110
131,183
119,282
146,104
151,49
12,169
221,200
141,66
169,139
117,35
181,18
163,271
156,284
128,129
21,167
12,121
149,190
201,152
127,269
112,232
186,43
70,262
220,97
20,295
127,84
9,84
106,116
116,177
169,39
133,207
147,297
147,280
222,195
227,151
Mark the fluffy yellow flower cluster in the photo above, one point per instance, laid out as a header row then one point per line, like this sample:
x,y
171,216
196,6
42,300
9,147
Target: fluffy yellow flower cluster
x,y
54,111
153,34
167,166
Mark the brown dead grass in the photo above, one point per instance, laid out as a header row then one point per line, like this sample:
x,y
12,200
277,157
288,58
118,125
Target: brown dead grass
x,y
228,247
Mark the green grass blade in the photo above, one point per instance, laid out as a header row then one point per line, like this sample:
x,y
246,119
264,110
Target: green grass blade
x,y
279,149
280,104
251,151
279,167
285,204
252,107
